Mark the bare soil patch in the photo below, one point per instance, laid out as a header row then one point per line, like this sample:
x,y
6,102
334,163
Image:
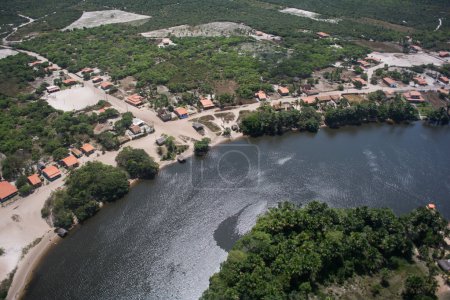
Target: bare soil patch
x,y
225,87
380,46
434,99
97,18
384,24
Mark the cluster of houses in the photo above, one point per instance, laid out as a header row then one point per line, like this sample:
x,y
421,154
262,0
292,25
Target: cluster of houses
x,y
48,172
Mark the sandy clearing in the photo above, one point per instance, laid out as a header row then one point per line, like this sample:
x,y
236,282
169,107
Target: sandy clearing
x,y
7,52
307,14
212,29
407,60
75,98
97,18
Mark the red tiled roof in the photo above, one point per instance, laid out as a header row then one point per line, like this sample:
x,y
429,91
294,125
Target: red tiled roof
x,y
106,84
444,53
261,95
283,90
206,103
135,99
389,81
6,190
181,111
69,81
51,172
323,34
443,79
34,179
87,148
70,161
363,82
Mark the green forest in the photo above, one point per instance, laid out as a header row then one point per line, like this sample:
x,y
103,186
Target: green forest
x,y
295,253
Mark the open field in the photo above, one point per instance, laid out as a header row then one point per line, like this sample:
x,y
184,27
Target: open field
x,y
307,14
97,18
379,46
75,98
407,60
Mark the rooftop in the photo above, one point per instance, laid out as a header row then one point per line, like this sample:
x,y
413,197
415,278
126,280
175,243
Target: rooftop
x,y
70,161
6,189
206,103
87,148
34,179
51,172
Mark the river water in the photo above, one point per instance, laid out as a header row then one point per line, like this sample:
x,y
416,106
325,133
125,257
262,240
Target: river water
x,y
168,236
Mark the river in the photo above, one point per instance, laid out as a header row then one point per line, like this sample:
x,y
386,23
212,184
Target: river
x,y
168,236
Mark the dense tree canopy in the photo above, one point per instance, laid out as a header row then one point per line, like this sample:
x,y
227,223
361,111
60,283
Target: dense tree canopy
x,y
291,251
137,163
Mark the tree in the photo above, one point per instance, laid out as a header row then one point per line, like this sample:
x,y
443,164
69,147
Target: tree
x,y
60,153
202,147
418,287
137,163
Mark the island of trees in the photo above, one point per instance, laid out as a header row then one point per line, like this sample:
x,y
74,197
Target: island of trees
x,y
297,253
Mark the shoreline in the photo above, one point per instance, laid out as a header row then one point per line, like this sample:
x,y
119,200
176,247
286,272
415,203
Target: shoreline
x,y
28,264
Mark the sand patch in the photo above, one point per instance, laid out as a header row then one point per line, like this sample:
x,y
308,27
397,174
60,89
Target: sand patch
x,y
7,52
76,98
407,60
97,18
308,14
212,29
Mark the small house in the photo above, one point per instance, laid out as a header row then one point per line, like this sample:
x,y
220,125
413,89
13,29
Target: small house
x,y
390,82
364,63
373,60
51,173
181,112
87,149
415,48
444,54
444,264
87,71
36,63
97,79
414,97
70,81
34,180
323,35
106,85
161,141
52,89
61,232
420,81
198,126
360,80
164,115
70,162
135,100
206,103
283,91
76,152
310,100
135,129
261,96
444,92
7,191
444,79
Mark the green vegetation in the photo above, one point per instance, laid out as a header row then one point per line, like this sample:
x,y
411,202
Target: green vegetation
x,y
15,74
5,284
295,253
85,188
137,163
397,110
201,147
268,121
438,116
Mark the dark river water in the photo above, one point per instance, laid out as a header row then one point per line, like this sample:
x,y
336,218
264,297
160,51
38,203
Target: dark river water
x,y
168,236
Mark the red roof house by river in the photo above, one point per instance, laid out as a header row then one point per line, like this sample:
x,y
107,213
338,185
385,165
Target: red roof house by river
x,y
7,191
51,173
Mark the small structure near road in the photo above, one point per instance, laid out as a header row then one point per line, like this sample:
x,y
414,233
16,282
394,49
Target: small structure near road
x,y
444,54
181,112
34,180
75,152
164,115
283,91
135,100
206,103
70,162
360,80
51,173
323,35
87,149
414,97
420,81
106,85
444,79
444,264
52,89
7,191
69,82
61,232
198,126
138,129
161,141
261,96
390,82
97,79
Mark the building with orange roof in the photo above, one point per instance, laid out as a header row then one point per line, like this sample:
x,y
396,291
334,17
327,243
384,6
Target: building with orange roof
x,y
181,112
414,97
87,70
420,81
135,100
431,206
363,63
444,54
97,79
87,149
51,173
34,180
323,35
362,81
7,191
309,100
106,85
444,79
261,95
444,92
70,162
206,103
35,63
283,91
390,82
416,48
70,81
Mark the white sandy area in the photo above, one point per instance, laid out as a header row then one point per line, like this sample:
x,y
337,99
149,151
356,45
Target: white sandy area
x,y
75,98
97,18
7,52
407,60
307,14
